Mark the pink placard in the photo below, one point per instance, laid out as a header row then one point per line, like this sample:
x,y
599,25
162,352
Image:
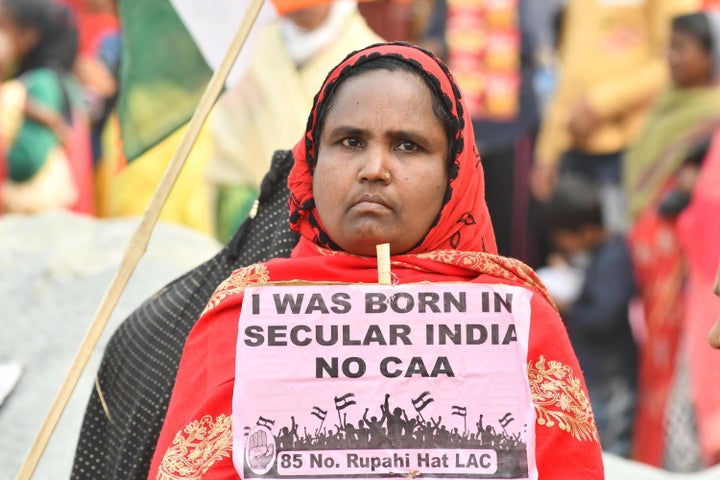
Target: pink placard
x,y
371,381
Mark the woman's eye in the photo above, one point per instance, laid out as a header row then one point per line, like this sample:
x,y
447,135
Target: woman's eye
x,y
351,142
407,146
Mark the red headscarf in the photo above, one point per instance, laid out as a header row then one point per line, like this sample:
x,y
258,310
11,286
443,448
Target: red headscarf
x,y
464,221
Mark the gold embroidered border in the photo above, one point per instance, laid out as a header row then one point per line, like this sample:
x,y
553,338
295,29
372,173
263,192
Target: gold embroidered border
x,y
235,283
560,399
493,265
196,448
482,262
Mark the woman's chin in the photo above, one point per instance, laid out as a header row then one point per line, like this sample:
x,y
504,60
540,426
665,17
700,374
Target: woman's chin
x,y
363,243
366,245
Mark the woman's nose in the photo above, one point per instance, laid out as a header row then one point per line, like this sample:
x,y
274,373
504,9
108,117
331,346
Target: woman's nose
x,y
375,166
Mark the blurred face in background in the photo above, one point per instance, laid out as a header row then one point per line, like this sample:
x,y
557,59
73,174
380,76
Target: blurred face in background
x,y
309,18
21,39
690,62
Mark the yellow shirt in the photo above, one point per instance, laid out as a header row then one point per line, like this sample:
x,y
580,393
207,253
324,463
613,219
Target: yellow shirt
x,y
612,55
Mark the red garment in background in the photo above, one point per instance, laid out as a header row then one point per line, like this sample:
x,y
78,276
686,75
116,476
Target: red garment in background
x,y
92,26
459,247
699,229
660,272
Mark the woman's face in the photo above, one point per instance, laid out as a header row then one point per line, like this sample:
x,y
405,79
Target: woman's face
x,y
21,39
381,122
310,18
690,63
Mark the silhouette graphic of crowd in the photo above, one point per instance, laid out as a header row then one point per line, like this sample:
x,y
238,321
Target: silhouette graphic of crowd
x,y
393,428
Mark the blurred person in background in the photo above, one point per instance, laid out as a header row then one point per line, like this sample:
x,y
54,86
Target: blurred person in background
x,y
95,19
611,67
654,171
691,98
597,316
48,163
699,231
99,69
494,50
267,109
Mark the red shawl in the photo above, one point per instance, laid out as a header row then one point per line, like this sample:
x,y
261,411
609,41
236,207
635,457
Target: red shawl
x,y
660,271
196,440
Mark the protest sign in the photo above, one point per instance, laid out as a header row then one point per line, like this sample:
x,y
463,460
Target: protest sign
x,y
351,381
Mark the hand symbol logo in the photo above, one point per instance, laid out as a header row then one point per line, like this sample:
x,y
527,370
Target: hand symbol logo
x,y
260,450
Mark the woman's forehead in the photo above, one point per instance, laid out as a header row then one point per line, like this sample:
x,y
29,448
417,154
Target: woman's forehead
x,y
385,92
371,78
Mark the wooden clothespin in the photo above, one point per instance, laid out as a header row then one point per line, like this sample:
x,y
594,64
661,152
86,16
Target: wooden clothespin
x,y
383,261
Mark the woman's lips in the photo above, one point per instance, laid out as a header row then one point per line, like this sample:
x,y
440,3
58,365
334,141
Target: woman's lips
x,y
371,202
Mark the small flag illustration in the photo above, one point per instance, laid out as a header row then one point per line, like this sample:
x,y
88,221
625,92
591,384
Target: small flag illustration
x,y
422,401
319,413
343,402
264,422
506,419
461,411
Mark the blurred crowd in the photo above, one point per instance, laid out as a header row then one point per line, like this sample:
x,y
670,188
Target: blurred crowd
x,y
597,123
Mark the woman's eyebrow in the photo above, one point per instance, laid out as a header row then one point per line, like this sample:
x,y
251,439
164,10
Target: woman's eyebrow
x,y
348,130
407,134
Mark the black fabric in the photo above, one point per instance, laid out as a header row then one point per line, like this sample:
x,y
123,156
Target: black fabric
x,y
141,359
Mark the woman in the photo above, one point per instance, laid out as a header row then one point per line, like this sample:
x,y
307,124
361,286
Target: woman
x,y
48,164
387,157
666,144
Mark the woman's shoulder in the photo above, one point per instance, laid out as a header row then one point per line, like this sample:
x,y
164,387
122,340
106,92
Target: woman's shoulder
x,y
231,290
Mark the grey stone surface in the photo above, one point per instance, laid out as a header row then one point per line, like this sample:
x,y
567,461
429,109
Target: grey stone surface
x,y
54,271
617,468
